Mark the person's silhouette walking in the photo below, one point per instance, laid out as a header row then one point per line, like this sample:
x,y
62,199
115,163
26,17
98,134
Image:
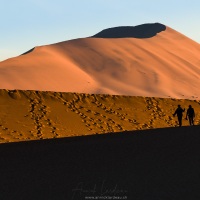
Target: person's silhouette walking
x,y
179,112
190,115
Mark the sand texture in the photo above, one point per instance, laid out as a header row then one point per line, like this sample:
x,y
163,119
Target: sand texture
x,y
149,60
96,118
32,115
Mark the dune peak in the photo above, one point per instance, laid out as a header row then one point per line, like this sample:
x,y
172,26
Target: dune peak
x,y
147,30
29,51
165,64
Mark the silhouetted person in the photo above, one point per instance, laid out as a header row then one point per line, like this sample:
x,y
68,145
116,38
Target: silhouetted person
x,y
179,112
190,115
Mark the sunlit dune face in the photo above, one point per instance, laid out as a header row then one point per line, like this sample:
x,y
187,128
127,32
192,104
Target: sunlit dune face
x,y
33,115
165,65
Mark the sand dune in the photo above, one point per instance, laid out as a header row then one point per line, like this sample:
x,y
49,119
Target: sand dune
x,y
140,31
109,83
154,164
160,63
32,115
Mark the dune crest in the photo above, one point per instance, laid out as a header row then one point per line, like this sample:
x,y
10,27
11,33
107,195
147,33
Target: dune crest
x,y
33,115
140,31
164,65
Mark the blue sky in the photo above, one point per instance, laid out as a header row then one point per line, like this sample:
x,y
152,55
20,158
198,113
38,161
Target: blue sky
x,y
28,23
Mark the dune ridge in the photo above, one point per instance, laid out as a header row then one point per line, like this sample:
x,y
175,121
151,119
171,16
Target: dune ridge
x,y
32,115
165,65
140,31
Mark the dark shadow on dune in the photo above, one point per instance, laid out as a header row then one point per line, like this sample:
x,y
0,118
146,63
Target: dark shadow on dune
x,y
29,51
142,165
140,31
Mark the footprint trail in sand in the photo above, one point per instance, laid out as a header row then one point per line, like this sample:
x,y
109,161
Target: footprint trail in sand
x,y
31,115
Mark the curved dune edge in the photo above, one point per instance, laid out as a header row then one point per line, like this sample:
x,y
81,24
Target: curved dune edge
x,y
159,160
166,65
141,31
33,115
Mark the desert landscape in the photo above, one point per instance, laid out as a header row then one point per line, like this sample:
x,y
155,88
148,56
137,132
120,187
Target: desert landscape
x,y
161,64
94,117
122,78
33,115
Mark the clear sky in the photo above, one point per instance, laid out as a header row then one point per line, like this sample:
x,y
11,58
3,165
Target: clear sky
x,y
25,24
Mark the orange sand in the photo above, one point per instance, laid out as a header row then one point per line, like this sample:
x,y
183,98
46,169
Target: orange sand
x,y
166,65
31,115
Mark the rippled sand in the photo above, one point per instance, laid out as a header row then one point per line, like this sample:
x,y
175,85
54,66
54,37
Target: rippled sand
x,y
32,115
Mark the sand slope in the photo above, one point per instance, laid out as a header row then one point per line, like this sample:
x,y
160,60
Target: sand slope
x,y
32,115
160,63
154,165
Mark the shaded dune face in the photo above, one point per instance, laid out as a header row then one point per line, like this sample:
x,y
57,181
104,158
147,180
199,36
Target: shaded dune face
x,y
146,60
140,31
29,51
